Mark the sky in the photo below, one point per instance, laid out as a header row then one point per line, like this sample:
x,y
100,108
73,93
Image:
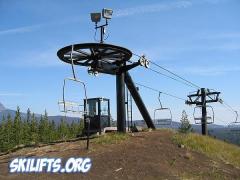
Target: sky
x,y
199,40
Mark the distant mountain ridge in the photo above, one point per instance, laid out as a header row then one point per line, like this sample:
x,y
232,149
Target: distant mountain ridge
x,y
5,112
2,107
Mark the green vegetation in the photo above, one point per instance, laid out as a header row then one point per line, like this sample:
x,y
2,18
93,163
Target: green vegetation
x,y
29,131
111,138
214,148
185,127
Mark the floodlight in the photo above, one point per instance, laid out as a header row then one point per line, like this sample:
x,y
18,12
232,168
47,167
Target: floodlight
x,y
107,13
96,17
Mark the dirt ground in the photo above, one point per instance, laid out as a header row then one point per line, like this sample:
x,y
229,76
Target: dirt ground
x,y
145,155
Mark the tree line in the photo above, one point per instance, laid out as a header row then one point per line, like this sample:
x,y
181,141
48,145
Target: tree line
x,y
32,130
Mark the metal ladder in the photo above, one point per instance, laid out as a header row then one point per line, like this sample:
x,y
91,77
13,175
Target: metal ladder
x,y
129,109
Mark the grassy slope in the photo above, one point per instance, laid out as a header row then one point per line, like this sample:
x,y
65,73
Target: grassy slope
x,y
173,162
213,148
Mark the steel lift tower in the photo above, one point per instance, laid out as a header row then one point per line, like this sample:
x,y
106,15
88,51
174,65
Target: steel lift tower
x,y
201,98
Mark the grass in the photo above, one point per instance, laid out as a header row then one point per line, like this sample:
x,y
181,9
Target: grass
x,y
214,148
111,138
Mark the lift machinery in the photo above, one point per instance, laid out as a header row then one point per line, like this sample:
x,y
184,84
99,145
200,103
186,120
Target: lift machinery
x,y
109,59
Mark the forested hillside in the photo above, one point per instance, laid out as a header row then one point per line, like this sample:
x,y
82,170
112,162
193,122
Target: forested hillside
x,y
17,130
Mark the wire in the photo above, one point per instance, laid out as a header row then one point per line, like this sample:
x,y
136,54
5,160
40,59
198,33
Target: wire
x,y
224,123
230,107
73,71
186,82
94,37
170,77
198,87
160,92
107,36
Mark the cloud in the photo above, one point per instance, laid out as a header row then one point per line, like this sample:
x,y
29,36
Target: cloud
x,y
152,8
222,35
210,71
34,58
226,47
46,58
30,28
174,50
11,94
158,7
20,29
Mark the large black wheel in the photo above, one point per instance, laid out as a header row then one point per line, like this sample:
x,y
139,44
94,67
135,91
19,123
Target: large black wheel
x,y
88,53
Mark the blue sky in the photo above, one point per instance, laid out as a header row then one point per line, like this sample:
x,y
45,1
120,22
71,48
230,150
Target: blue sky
x,y
199,40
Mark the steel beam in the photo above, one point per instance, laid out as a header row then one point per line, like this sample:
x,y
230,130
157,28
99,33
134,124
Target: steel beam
x,y
204,111
121,110
138,100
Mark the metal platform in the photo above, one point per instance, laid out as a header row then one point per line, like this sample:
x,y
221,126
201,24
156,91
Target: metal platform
x,y
104,58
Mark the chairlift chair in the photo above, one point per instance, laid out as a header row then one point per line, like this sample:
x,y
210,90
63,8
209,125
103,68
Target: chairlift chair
x,y
163,121
198,118
69,106
235,126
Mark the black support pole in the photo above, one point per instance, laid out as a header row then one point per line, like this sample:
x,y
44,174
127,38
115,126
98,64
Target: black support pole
x,y
121,110
127,104
138,100
204,111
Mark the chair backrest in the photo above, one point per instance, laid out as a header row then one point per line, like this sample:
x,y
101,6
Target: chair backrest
x,y
163,121
69,106
198,118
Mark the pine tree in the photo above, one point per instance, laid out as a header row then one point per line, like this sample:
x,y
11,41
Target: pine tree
x,y
27,128
6,134
17,127
9,130
44,128
73,129
80,127
40,129
53,132
28,115
34,135
26,132
185,124
62,130
2,135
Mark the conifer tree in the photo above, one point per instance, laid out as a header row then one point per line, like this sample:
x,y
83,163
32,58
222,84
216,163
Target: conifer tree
x,y
73,129
185,126
2,135
17,128
28,115
40,129
9,130
62,130
80,126
27,128
34,129
46,128
53,131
